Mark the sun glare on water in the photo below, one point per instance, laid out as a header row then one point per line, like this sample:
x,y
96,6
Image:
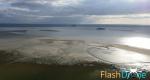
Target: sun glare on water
x,y
139,42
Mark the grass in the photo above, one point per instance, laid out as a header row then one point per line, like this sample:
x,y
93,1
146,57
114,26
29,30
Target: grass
x,y
25,71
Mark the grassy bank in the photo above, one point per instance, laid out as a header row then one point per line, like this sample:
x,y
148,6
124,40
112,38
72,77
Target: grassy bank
x,y
20,71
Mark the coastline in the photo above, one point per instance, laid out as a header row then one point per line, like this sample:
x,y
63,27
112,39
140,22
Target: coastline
x,y
47,57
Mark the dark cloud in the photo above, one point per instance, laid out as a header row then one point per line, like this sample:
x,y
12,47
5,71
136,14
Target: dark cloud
x,y
27,4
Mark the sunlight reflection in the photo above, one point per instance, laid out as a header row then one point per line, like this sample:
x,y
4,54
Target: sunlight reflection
x,y
129,56
140,42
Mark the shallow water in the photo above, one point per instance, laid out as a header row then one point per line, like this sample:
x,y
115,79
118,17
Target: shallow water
x,y
81,32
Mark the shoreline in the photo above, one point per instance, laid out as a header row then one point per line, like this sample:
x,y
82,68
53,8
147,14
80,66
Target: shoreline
x,y
62,51
57,59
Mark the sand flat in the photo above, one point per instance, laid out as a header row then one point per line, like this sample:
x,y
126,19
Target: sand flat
x,y
46,50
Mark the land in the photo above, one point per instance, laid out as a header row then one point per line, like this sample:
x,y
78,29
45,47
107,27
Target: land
x,y
52,59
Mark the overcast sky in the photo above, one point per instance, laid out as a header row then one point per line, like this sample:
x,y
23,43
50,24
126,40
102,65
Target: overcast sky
x,y
75,11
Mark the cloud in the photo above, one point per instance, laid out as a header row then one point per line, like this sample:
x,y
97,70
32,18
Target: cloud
x,y
140,19
73,11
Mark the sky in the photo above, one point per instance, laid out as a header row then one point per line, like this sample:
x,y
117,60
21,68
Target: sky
x,y
75,11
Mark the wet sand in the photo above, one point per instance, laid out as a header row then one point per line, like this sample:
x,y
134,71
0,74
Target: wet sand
x,y
54,59
46,50
134,49
48,59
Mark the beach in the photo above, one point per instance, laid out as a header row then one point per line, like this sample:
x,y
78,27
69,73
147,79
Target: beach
x,y
44,58
50,51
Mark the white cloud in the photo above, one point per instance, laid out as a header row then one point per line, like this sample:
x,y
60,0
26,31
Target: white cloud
x,y
140,19
61,3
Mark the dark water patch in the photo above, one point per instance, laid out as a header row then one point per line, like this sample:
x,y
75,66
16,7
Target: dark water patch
x,y
50,30
100,28
18,31
12,33
6,34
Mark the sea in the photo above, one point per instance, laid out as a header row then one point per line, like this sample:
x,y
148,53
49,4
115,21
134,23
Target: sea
x,y
90,32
